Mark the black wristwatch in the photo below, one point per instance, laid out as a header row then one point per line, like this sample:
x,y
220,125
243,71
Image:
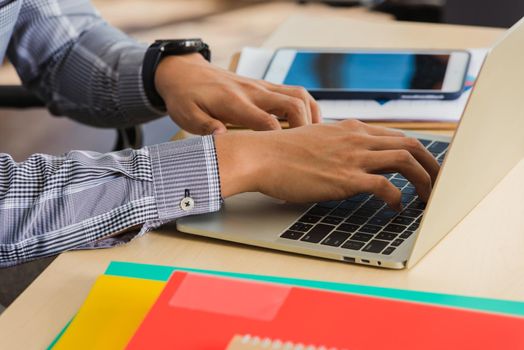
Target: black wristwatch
x,y
158,50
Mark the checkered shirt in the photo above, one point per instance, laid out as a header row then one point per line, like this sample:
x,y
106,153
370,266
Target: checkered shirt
x,y
85,69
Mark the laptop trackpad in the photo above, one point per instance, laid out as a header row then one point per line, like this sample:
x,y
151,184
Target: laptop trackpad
x,y
249,215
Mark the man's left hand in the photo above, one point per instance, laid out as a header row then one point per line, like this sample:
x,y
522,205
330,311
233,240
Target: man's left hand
x,y
201,98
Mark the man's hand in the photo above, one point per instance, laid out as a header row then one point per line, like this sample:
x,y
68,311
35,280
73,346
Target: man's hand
x,y
201,97
323,162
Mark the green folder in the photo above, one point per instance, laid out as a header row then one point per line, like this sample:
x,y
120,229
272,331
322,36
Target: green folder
x,y
162,273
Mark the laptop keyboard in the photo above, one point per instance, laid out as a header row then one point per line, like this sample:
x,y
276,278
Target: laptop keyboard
x,y
364,222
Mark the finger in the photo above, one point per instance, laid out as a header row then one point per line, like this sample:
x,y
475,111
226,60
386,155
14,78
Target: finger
x,y
312,109
196,121
403,162
382,131
290,108
255,118
316,114
421,154
380,187
357,125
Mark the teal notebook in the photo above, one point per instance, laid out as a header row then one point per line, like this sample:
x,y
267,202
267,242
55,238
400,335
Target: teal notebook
x,y
162,273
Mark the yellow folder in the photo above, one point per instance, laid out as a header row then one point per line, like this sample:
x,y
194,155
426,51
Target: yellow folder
x,y
112,312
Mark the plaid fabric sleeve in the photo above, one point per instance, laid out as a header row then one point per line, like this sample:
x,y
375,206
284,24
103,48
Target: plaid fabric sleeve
x,y
84,199
79,65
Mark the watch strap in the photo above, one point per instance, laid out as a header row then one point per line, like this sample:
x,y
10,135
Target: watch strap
x,y
151,60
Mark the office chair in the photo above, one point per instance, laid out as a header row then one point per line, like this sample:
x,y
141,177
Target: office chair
x,y
15,96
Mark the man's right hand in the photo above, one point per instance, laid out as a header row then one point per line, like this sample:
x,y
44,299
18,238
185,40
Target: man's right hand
x,y
323,162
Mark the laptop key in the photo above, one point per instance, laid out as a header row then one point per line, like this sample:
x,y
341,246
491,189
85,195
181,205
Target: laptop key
x,y
412,213
371,204
336,238
409,189
310,219
359,220
394,228
388,250
365,212
332,220
414,226
353,245
386,213
403,220
406,198
438,147
406,234
348,227
318,211
397,242
341,212
298,226
399,183
375,246
386,236
329,205
425,143
417,204
350,205
370,229
317,233
292,234
378,221
359,197
364,237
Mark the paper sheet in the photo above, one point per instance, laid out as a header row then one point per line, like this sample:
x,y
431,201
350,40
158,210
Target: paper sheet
x,y
254,61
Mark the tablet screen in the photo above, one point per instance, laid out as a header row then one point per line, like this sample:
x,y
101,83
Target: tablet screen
x,y
368,71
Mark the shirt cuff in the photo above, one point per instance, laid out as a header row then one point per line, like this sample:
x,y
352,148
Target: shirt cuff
x,y
131,86
185,169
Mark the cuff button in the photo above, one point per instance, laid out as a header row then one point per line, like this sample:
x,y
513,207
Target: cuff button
x,y
187,204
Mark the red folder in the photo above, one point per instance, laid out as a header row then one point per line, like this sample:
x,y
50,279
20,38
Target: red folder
x,y
204,312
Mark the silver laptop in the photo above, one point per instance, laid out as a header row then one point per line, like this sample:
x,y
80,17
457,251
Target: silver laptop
x,y
489,141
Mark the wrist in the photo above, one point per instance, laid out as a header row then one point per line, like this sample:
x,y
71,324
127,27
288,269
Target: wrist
x,y
169,67
241,161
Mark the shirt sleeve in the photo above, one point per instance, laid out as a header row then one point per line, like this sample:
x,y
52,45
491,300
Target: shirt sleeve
x,y
79,65
50,204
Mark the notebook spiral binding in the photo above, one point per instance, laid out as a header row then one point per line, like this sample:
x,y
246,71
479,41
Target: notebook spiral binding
x,y
250,342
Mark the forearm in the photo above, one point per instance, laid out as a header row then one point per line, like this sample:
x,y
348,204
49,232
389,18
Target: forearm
x,y
84,68
52,204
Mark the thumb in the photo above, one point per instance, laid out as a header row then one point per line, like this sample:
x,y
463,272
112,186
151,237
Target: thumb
x,y
258,119
202,123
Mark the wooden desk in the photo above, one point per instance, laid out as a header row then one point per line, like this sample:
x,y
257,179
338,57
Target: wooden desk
x,y
482,256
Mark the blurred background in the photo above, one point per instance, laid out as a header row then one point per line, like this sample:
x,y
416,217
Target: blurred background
x,y
227,25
